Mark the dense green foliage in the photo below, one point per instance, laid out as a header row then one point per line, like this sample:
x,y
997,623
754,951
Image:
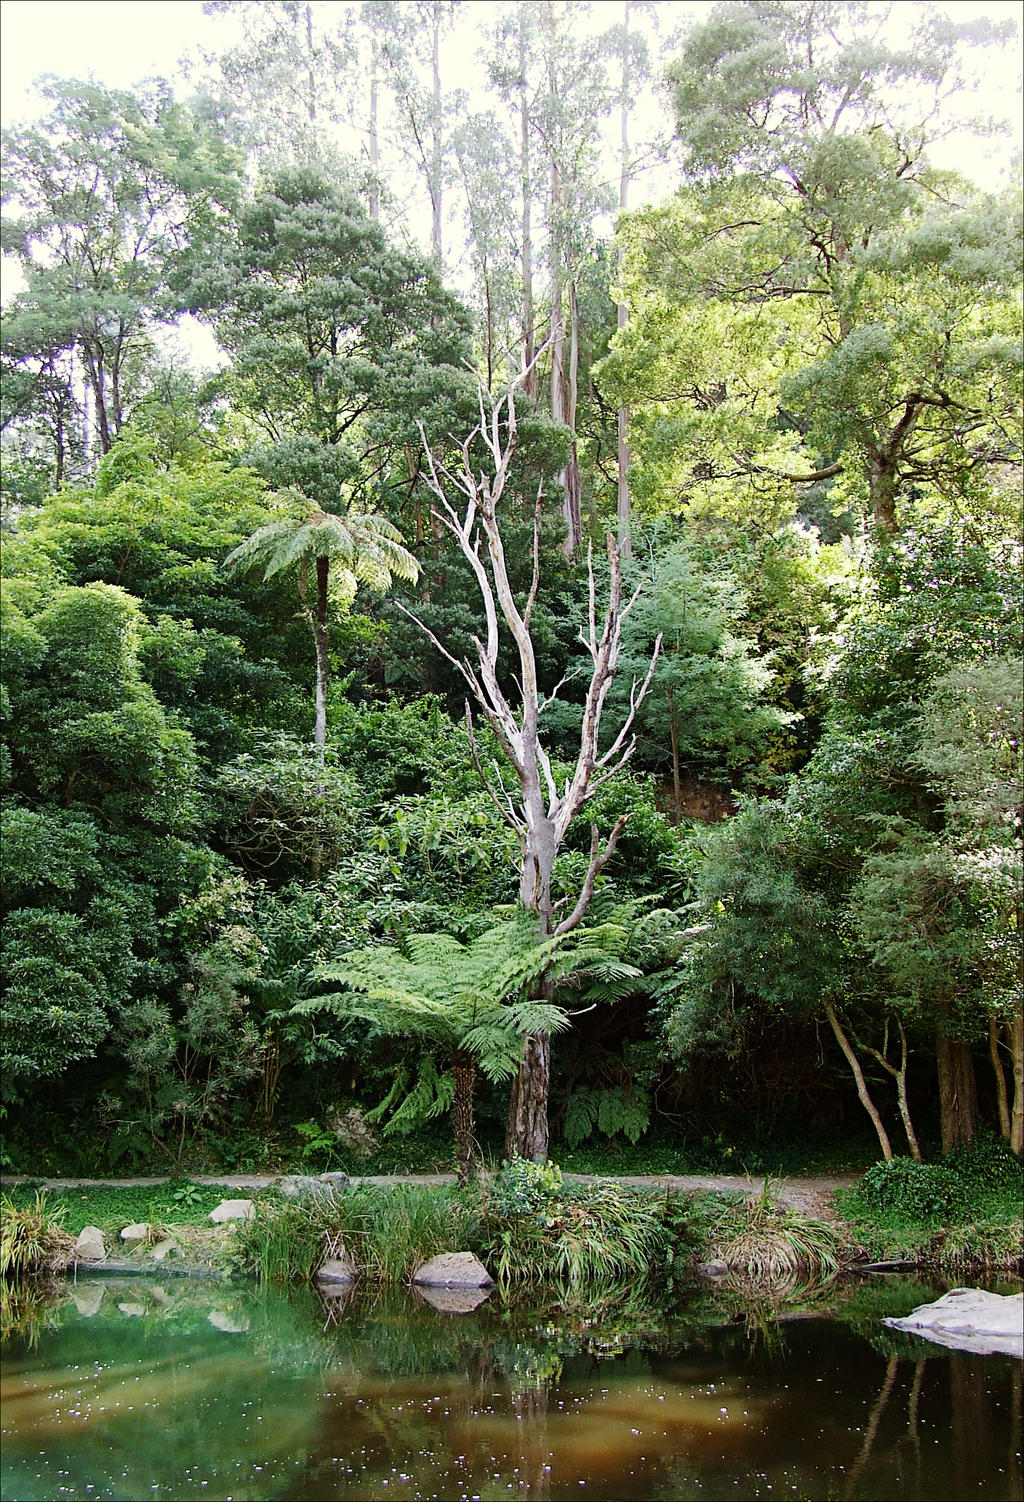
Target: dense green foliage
x,y
253,878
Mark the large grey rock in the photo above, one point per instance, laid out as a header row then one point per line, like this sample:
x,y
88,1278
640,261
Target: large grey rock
x,y
233,1210
306,1190
137,1233
453,1270
337,1270
90,1246
970,1319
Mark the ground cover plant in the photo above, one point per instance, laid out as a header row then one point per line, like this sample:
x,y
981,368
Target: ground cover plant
x,y
966,1211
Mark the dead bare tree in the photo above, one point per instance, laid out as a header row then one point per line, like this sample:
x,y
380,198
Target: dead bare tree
x,y
540,812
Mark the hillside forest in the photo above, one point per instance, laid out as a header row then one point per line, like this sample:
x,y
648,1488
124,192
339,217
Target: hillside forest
x,y
550,680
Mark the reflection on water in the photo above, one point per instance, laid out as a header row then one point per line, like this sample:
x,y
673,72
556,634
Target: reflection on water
x,y
132,1389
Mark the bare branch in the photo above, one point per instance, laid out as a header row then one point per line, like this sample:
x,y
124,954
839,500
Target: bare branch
x,y
598,859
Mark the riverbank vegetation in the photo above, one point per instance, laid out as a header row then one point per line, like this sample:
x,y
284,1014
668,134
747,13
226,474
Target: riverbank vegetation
x,y
575,715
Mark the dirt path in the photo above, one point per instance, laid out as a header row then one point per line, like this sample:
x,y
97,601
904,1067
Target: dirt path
x,y
811,1195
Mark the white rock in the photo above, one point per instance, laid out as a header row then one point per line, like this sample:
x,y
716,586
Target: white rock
x,y
135,1310
970,1319
166,1248
233,1210
453,1270
137,1233
90,1246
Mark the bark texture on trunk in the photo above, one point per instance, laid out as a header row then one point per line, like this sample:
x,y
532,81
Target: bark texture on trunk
x,y
464,1071
527,1130
958,1096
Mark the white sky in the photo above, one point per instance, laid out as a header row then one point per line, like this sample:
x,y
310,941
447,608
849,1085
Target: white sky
x,y
120,42
123,41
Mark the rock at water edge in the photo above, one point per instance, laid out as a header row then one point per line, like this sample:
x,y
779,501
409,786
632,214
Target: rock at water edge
x,y
453,1270
970,1319
233,1210
90,1246
337,1270
136,1234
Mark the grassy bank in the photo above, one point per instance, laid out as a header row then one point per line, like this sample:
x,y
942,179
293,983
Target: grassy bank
x,y
963,1214
535,1230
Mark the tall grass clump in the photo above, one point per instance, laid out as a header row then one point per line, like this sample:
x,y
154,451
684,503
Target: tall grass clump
x,y
387,1233
765,1243
540,1230
33,1241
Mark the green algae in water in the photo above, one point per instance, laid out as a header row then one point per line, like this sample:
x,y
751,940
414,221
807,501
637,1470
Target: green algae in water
x,y
132,1388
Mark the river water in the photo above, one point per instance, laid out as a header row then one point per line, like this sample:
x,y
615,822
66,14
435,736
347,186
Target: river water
x,y
180,1390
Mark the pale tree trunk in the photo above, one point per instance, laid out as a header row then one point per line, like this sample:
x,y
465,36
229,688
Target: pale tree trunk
x,y
435,162
373,135
543,811
863,1092
1016,1031
310,71
1002,1099
320,635
899,1074
526,248
622,503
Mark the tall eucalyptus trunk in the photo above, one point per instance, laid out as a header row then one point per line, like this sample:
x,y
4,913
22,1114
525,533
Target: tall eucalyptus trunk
x,y
526,227
622,498
320,637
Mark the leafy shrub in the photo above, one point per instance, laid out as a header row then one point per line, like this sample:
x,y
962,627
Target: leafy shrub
x,y
542,1231
524,1188
915,1191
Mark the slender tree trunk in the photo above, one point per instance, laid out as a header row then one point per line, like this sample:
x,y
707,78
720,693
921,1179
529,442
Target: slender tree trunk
x,y
526,249
958,1099
677,780
573,484
96,376
464,1071
862,1090
1016,1031
320,727
435,165
1002,1099
60,451
310,74
374,139
622,503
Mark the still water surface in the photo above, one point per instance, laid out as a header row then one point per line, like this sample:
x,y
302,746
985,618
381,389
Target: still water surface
x,y
130,1389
